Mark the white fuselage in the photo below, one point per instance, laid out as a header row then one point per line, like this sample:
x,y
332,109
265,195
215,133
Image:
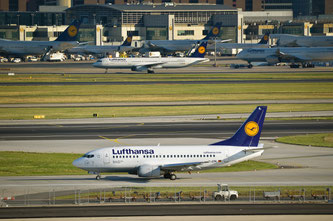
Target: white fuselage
x,y
304,41
287,54
155,63
129,159
23,48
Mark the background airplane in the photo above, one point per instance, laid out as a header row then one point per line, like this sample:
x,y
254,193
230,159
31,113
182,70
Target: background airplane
x,y
285,40
149,64
154,161
103,49
263,43
66,40
167,46
295,56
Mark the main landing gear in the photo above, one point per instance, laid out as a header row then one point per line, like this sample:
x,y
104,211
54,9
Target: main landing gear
x,y
98,177
170,176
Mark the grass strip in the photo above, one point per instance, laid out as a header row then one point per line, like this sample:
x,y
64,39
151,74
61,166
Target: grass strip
x,y
13,163
106,112
319,140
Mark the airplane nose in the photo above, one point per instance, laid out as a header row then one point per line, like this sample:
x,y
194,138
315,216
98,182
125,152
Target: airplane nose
x,y
77,162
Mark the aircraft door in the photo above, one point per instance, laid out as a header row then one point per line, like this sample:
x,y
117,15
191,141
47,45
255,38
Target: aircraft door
x,y
106,157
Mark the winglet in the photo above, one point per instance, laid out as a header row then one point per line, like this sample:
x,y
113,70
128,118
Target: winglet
x,y
264,40
214,32
249,133
200,51
71,33
128,40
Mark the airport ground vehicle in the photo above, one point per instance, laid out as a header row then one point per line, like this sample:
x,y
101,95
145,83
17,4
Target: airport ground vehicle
x,y
224,193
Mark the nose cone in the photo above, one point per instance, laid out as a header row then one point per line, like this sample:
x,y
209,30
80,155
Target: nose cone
x,y
77,163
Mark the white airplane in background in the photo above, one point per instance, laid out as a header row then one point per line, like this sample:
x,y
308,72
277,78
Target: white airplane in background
x,y
295,56
66,40
166,46
263,43
286,40
103,49
149,64
154,161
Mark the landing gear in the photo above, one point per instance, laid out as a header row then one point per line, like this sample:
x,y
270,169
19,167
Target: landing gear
x,y
250,66
106,70
150,71
294,66
98,177
170,176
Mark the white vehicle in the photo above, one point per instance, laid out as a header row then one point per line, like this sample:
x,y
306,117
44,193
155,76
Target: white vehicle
x,y
55,57
154,161
224,193
17,60
285,40
287,54
25,48
149,64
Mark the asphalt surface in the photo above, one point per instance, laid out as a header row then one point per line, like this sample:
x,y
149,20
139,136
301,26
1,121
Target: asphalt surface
x,y
161,130
168,210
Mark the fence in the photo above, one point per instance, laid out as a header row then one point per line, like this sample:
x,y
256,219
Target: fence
x,y
37,195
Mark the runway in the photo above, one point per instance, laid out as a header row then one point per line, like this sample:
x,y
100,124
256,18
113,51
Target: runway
x,y
199,129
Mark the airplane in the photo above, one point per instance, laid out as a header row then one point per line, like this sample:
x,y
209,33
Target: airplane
x,y
154,161
103,49
150,63
66,40
286,40
167,46
263,43
295,56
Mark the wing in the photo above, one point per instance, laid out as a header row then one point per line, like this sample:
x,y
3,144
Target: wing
x,y
286,56
182,166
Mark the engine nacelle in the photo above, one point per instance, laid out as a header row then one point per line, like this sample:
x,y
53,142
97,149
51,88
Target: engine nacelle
x,y
139,68
149,171
273,59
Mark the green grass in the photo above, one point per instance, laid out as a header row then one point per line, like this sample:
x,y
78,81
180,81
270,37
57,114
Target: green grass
x,y
320,140
164,92
87,112
50,164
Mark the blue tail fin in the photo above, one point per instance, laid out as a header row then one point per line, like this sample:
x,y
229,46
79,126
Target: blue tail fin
x,y
264,40
214,32
71,33
249,133
128,40
200,51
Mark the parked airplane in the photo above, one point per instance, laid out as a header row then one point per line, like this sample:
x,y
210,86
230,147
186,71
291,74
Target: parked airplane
x,y
154,161
66,40
149,64
295,56
263,43
286,40
103,49
166,46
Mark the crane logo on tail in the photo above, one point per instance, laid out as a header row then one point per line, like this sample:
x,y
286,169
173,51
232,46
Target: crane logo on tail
x,y
129,39
72,31
215,31
251,128
201,49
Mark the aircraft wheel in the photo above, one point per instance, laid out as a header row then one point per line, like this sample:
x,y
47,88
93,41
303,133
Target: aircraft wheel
x,y
98,177
150,71
166,176
173,177
250,66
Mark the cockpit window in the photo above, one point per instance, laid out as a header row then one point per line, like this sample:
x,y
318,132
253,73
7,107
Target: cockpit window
x,y
88,155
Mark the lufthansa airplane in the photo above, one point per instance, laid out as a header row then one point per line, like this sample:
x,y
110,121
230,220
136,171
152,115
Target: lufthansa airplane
x,y
286,40
66,40
149,64
154,161
103,49
263,43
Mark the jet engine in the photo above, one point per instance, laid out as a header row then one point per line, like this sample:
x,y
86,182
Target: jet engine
x,y
149,171
139,68
273,59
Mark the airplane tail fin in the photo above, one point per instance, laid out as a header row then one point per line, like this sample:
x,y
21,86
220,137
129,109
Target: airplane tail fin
x,y
264,40
249,133
71,33
200,51
128,40
214,32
